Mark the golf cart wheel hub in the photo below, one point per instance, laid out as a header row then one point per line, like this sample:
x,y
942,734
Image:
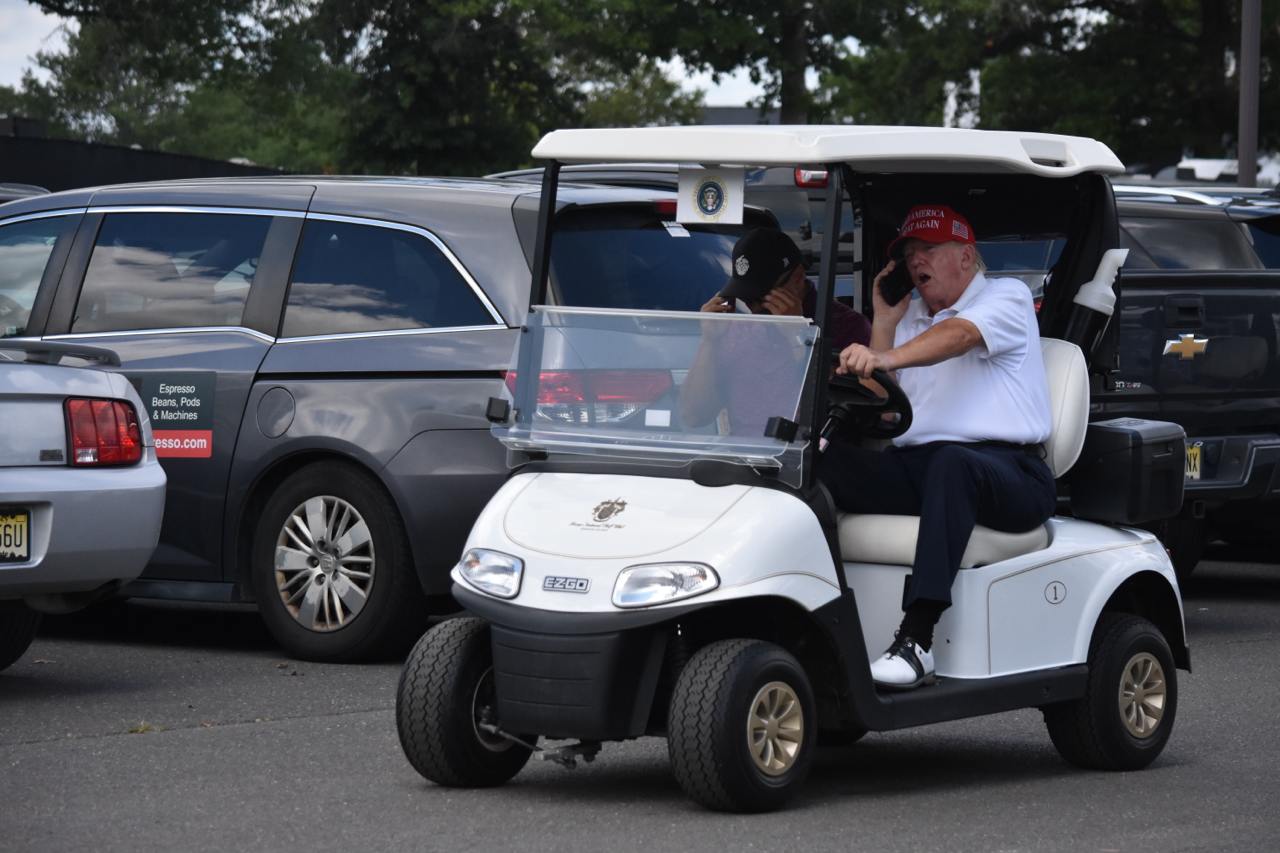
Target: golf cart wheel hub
x,y
775,728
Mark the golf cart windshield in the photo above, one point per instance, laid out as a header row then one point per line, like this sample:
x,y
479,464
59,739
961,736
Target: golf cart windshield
x,y
663,387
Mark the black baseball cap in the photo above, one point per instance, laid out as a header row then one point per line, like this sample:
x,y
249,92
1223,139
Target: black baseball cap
x,y
760,258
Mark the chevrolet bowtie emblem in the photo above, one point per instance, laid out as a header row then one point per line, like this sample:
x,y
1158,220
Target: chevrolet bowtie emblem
x,y
1186,347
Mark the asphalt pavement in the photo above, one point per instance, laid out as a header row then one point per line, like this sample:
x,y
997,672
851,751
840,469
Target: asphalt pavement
x,y
140,727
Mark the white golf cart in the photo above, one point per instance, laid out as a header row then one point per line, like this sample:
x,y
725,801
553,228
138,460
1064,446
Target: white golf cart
x,y
640,575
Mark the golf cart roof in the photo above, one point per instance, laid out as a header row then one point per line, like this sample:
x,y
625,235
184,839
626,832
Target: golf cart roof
x,y
875,149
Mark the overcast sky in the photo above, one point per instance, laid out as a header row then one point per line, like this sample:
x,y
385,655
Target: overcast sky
x,y
24,29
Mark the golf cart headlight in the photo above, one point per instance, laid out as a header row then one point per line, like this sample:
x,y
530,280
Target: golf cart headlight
x,y
640,586
492,572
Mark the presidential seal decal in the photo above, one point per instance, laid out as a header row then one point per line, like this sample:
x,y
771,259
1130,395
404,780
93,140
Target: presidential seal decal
x,y
710,197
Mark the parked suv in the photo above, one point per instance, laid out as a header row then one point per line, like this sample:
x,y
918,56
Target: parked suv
x,y
315,356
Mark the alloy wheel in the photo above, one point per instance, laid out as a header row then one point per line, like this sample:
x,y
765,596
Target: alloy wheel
x,y
1143,692
775,728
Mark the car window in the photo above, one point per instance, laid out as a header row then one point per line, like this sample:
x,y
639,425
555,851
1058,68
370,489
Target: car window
x,y
170,271
365,278
1266,240
25,248
1186,244
633,258
1027,259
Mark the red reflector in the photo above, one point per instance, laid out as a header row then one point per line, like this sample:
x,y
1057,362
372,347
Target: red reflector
x,y
103,432
598,386
1038,300
666,207
811,178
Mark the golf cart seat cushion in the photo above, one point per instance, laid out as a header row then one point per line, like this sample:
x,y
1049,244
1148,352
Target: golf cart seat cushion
x,y
1068,380
891,540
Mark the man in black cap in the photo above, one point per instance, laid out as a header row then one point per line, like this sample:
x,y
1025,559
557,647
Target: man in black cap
x,y
768,278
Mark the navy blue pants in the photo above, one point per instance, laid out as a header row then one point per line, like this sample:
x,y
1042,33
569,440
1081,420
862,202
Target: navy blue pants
x,y
952,486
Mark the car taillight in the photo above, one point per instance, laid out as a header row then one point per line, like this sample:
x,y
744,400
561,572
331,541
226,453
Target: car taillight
x,y
103,432
595,396
666,207
811,178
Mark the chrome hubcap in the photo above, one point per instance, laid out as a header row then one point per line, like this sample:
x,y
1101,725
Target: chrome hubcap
x,y
324,563
775,728
1142,695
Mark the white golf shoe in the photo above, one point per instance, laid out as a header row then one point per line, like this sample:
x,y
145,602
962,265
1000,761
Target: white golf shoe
x,y
904,666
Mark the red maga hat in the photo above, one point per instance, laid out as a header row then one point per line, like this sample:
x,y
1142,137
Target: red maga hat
x,y
932,223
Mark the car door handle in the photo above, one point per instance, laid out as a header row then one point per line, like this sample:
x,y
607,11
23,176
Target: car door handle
x,y
1184,312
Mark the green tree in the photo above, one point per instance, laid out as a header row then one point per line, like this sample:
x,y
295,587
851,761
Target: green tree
x,y
263,92
777,41
458,86
1152,78
644,97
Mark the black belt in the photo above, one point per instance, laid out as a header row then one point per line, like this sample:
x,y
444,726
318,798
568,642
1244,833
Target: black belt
x,y
1036,450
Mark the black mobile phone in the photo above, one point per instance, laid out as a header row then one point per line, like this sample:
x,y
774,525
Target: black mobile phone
x,y
896,284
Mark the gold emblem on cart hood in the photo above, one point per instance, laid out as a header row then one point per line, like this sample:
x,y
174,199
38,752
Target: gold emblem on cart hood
x,y
606,510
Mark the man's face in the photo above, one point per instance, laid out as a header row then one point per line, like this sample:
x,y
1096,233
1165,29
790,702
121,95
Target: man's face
x,y
940,271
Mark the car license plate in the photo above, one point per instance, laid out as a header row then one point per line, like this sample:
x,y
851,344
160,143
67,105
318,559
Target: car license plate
x,y
554,583
15,539
1193,461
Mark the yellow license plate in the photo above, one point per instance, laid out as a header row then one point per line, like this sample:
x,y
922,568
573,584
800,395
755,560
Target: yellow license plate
x,y
15,538
1193,461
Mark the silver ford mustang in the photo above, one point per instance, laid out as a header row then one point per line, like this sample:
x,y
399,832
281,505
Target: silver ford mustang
x,y
81,491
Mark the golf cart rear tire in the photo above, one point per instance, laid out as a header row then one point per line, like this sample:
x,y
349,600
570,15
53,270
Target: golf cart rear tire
x,y
395,611
435,712
1090,732
707,726
18,624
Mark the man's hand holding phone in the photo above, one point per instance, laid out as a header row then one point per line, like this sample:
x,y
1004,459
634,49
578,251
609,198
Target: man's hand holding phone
x,y
889,294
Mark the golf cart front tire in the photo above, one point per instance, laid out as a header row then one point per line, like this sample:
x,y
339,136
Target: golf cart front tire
x,y
1126,715
441,693
741,726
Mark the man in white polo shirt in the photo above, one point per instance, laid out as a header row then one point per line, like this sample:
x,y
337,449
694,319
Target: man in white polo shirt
x,y
966,350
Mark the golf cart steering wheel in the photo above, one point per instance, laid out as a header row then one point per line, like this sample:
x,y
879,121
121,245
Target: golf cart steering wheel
x,y
854,406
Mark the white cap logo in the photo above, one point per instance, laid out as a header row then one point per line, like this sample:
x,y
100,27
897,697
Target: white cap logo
x,y
741,265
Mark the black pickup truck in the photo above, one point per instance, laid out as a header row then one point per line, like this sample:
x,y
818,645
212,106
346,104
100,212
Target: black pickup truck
x,y
1198,343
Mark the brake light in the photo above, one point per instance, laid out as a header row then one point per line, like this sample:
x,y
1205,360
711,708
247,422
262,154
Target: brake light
x,y
103,432
811,178
666,207
599,396
561,387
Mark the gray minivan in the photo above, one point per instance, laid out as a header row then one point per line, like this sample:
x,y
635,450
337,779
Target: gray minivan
x,y
315,355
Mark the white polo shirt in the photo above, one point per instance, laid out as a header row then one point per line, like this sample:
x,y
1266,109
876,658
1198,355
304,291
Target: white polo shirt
x,y
996,391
